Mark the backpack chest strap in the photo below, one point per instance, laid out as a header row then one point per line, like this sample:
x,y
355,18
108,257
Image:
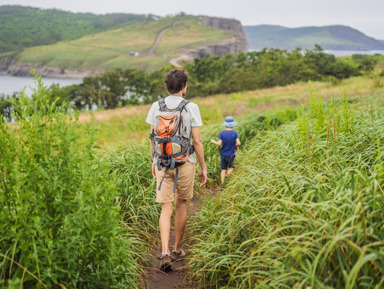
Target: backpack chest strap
x,y
174,139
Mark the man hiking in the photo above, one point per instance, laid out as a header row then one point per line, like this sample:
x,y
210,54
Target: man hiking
x,y
229,141
174,121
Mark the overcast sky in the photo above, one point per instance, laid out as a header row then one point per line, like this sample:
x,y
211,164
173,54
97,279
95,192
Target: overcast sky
x,y
364,15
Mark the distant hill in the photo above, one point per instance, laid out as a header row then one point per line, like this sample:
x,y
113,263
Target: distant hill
x,y
336,37
64,44
22,27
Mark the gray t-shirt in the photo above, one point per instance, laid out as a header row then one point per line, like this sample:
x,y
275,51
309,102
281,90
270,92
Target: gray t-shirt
x,y
192,117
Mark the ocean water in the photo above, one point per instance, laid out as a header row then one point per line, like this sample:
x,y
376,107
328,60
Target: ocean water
x,y
339,53
10,84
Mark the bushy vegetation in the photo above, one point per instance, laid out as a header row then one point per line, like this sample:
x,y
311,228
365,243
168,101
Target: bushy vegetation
x,y
22,27
62,204
304,209
208,75
262,69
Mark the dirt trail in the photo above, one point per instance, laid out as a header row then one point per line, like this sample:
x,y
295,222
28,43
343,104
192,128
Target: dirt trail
x,y
176,277
151,51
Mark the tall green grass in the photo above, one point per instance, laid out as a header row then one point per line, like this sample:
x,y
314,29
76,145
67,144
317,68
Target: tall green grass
x,y
60,217
132,167
304,210
249,126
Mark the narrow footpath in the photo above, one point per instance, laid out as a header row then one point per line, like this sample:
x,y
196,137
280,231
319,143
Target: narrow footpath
x,y
176,277
151,51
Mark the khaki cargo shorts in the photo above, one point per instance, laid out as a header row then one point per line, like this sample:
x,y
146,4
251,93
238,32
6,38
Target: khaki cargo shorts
x,y
184,186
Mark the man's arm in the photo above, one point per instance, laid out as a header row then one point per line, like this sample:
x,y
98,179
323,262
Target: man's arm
x,y
238,143
152,149
198,145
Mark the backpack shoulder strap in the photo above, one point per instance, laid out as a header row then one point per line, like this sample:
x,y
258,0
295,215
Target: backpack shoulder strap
x,y
162,105
182,105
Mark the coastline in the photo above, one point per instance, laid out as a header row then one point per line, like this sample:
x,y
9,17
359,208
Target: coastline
x,y
11,67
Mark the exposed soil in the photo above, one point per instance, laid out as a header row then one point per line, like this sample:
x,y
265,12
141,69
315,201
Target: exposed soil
x,y
174,278
151,51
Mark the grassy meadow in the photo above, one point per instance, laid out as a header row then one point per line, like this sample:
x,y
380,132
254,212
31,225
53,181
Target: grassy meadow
x,y
309,213
122,126
303,209
111,49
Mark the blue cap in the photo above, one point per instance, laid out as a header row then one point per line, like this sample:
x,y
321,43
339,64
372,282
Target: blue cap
x,y
229,121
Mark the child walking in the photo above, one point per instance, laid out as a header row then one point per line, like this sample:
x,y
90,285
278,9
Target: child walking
x,y
229,141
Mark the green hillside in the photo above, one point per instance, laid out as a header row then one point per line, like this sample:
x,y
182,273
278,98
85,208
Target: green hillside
x,y
335,37
22,27
114,48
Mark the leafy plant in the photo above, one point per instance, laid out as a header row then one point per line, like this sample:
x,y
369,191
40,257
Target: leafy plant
x,y
60,218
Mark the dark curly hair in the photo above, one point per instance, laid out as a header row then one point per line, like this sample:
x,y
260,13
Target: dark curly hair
x,y
176,80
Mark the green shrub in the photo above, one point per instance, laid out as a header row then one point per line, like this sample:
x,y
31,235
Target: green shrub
x,y
59,217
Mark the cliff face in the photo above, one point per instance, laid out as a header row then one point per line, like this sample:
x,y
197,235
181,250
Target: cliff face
x,y
9,66
222,23
236,44
239,44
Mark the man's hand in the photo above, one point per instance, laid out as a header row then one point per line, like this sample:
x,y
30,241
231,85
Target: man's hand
x,y
203,175
213,141
154,166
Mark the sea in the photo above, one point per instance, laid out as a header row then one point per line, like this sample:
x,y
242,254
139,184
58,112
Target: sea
x,y
339,53
11,84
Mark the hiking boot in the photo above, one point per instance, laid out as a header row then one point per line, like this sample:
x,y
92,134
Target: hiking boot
x,y
165,262
177,255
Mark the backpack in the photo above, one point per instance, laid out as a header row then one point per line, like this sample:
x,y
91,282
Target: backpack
x,y
171,143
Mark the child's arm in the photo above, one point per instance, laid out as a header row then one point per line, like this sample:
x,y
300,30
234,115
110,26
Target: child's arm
x,y
218,143
238,143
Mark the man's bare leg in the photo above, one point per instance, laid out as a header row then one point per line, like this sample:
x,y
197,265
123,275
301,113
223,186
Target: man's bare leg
x,y
180,222
223,173
165,225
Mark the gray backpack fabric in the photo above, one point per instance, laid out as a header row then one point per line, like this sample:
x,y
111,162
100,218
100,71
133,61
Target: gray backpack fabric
x,y
171,143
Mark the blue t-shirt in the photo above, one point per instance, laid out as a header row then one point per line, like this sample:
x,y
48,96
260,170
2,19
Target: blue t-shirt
x,y
228,138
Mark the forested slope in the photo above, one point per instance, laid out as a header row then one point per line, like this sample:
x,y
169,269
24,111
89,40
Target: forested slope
x,y
22,27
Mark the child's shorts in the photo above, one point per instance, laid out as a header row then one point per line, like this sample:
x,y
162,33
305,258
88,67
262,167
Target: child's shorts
x,y
227,162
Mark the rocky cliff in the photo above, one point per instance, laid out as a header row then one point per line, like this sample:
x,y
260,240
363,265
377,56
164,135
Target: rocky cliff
x,y
235,44
10,66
